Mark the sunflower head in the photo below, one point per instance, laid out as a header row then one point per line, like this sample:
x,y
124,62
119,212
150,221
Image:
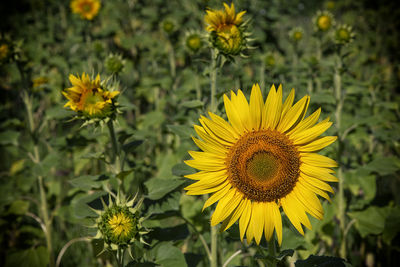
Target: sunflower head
x,y
263,159
270,60
323,21
193,41
87,9
120,224
168,25
296,34
114,64
343,34
4,52
89,98
227,30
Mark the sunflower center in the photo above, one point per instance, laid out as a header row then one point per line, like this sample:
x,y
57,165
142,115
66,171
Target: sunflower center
x,y
263,165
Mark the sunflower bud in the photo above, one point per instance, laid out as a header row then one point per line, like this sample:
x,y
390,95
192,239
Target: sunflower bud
x,y
296,34
4,52
193,41
168,26
227,30
323,21
120,224
114,64
343,35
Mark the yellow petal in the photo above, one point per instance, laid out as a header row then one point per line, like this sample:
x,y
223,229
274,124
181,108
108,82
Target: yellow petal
x,y
257,220
256,107
225,137
288,103
311,133
245,218
208,190
235,215
217,196
318,160
226,206
276,217
268,220
306,123
224,124
294,115
318,144
233,115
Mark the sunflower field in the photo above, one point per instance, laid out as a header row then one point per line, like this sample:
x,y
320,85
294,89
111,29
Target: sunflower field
x,y
199,133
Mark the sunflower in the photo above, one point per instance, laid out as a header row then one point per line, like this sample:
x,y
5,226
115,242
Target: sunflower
x,y
226,29
88,9
343,34
262,160
86,96
323,21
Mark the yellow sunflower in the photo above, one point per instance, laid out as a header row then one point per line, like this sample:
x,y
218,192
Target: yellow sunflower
x,y
227,35
264,159
87,96
88,9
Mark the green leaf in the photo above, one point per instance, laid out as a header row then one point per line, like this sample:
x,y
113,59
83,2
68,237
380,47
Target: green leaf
x,y
9,138
392,225
131,146
370,220
285,253
192,104
80,204
383,165
321,261
166,204
182,131
158,188
34,257
86,182
169,256
182,169
18,207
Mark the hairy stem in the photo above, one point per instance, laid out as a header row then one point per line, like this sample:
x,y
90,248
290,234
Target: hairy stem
x,y
213,80
214,243
338,114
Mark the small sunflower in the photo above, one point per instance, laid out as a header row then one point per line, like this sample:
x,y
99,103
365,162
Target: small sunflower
x,y
296,34
227,29
264,159
115,64
168,25
343,34
119,224
193,41
4,51
86,96
323,21
87,9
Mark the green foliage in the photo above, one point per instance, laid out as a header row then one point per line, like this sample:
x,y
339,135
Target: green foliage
x,y
57,170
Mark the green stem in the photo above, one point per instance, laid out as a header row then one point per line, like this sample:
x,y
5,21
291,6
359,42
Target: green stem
x,y
214,243
213,80
116,159
262,76
338,115
272,251
43,199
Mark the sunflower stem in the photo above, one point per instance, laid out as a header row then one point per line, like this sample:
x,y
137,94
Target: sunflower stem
x,y
338,114
213,80
42,192
116,155
214,243
272,251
